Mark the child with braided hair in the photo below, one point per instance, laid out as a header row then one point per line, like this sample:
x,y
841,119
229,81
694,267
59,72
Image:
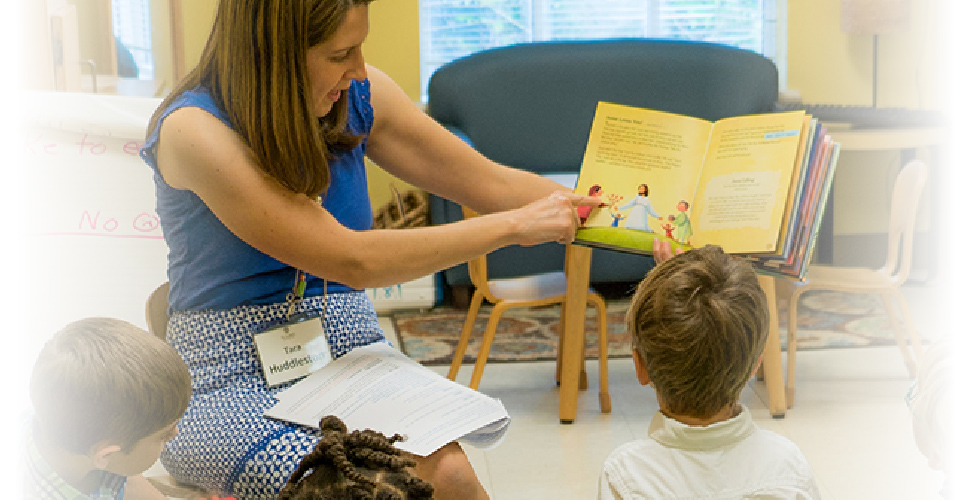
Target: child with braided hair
x,y
357,465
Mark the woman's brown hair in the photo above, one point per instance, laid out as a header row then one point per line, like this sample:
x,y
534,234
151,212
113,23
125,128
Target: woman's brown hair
x,y
254,65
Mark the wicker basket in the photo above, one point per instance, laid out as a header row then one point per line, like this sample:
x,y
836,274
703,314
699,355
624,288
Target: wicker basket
x,y
413,213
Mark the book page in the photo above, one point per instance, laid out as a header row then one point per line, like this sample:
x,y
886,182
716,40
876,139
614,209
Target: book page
x,y
377,387
642,163
747,173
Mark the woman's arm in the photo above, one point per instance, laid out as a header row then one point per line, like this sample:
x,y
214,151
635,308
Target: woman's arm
x,y
412,146
199,153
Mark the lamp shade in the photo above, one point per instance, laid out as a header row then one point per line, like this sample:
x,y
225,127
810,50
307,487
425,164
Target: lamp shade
x,y
874,17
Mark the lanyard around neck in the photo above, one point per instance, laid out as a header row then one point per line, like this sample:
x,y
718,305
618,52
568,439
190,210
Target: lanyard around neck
x,y
299,288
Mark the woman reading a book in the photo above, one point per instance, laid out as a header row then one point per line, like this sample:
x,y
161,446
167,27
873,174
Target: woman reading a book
x,y
258,159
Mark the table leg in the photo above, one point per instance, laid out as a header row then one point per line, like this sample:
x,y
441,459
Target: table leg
x,y
578,282
772,362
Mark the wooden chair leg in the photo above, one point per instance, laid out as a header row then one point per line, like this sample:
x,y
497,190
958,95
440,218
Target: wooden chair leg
x,y
760,373
475,304
584,383
899,333
911,328
485,345
605,406
563,311
772,350
791,387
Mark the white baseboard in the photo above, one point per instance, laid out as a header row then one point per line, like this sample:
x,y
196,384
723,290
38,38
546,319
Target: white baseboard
x,y
420,293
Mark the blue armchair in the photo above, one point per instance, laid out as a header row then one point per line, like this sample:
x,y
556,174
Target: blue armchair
x,y
530,106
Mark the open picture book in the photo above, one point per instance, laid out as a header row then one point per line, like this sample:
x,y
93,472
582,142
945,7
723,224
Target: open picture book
x,y
755,185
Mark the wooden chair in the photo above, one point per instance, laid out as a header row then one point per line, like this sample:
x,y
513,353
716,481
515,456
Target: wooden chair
x,y
528,291
157,311
884,281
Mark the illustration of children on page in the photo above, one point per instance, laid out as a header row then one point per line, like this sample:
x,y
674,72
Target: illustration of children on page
x,y
617,217
682,223
668,228
641,209
614,210
596,217
584,210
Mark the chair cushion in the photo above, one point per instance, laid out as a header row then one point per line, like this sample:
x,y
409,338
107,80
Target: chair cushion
x,y
531,288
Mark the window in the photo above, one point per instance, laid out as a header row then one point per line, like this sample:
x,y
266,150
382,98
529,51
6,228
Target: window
x,y
450,29
132,31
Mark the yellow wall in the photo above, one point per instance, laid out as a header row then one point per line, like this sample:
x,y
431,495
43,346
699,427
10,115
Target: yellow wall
x,y
93,21
393,46
36,62
827,65
824,64
393,43
197,17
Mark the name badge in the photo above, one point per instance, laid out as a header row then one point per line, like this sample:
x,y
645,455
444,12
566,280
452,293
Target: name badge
x,y
293,349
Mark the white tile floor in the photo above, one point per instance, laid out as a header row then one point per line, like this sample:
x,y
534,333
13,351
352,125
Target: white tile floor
x,y
850,420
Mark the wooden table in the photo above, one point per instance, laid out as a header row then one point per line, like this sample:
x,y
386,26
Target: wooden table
x,y
906,140
578,282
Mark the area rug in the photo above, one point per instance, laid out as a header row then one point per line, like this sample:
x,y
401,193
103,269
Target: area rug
x,y
825,319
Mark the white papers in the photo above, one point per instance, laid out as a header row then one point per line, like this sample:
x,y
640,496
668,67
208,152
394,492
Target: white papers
x,y
377,387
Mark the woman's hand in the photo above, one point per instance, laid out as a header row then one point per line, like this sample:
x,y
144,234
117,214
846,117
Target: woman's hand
x,y
552,218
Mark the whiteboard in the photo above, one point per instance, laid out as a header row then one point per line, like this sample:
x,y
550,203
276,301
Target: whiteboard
x,y
94,244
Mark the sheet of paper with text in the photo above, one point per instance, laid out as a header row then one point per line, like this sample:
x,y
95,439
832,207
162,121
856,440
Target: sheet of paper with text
x,y
377,387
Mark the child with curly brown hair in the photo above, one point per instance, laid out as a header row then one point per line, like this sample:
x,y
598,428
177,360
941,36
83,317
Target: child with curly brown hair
x,y
699,323
355,465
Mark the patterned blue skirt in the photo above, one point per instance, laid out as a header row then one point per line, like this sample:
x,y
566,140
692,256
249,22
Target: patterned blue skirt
x,y
225,444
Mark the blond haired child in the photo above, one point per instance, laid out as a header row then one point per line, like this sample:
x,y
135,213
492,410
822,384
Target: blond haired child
x,y
107,397
699,323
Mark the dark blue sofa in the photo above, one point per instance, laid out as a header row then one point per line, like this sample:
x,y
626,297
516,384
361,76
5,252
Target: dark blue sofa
x,y
530,106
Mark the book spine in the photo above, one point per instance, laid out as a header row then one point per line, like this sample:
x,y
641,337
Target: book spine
x,y
820,210
813,139
811,174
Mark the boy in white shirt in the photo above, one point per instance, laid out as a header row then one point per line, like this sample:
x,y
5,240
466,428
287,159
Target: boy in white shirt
x,y
107,396
699,323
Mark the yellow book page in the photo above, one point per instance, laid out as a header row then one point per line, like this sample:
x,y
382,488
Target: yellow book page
x,y
747,173
644,163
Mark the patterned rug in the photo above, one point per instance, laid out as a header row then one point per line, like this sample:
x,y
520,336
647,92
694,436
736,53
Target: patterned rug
x,y
825,320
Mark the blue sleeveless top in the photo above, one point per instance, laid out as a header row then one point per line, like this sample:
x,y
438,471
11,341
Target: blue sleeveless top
x,y
207,265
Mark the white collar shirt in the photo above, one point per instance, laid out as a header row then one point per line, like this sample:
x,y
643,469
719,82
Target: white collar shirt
x,y
732,459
